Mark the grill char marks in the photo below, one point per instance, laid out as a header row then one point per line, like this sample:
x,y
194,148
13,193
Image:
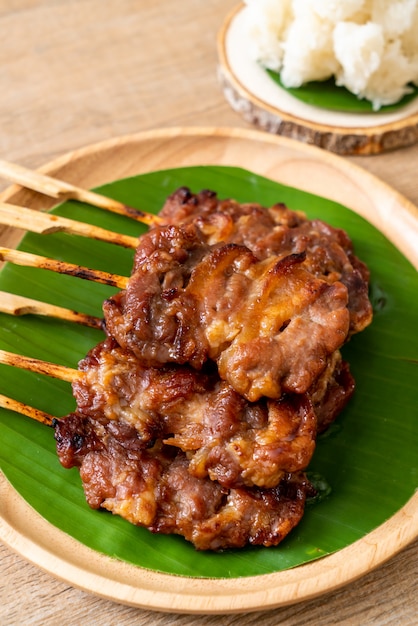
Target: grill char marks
x,y
247,315
153,488
199,414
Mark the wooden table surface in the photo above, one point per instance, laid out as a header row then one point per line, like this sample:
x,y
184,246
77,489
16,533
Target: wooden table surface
x,y
81,71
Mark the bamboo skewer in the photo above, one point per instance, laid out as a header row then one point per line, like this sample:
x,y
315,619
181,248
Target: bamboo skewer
x,y
25,409
45,224
62,267
37,366
19,305
62,191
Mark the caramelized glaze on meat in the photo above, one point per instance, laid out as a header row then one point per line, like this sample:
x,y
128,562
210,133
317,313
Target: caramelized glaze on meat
x,y
153,488
155,317
226,437
199,414
278,231
270,325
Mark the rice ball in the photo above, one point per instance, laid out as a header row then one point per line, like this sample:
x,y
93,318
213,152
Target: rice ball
x,y
389,83
308,51
358,50
267,21
369,46
394,17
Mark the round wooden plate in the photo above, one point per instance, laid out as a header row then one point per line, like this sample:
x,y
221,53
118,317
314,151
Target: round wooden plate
x,y
288,162
253,94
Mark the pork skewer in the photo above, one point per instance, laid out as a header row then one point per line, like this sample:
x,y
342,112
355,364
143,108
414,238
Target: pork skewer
x,y
155,474
206,514
13,304
27,259
172,429
46,224
63,191
226,438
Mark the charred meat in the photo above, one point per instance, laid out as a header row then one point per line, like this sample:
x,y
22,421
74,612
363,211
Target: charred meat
x,y
278,231
226,437
270,325
153,488
199,414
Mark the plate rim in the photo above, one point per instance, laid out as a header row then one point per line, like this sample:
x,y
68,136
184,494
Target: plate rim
x,y
177,594
167,592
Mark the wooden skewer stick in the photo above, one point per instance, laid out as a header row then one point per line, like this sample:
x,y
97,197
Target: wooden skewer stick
x,y
62,190
19,305
25,409
53,370
37,366
45,224
62,267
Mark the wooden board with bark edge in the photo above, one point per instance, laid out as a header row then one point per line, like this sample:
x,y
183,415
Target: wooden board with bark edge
x,y
288,162
282,114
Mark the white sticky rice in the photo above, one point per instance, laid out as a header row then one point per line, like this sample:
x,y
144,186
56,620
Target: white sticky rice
x,y
369,46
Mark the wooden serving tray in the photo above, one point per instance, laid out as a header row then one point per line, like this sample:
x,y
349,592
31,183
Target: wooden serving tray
x,y
288,162
251,92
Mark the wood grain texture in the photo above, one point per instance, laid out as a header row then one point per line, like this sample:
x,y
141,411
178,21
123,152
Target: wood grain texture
x,y
79,72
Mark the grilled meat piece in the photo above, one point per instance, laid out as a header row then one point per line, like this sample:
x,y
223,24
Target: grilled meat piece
x,y
153,488
199,414
270,325
156,317
226,437
278,231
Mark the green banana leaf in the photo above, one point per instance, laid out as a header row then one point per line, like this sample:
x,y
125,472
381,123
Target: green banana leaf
x,y
327,95
365,466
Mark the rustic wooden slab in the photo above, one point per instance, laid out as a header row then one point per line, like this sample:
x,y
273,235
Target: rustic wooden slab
x,y
250,92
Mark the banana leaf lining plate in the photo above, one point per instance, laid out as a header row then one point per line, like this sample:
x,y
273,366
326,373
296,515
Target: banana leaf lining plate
x,y
168,575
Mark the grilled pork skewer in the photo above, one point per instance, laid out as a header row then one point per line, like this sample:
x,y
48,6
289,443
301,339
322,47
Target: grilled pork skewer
x,y
143,435
232,441
46,224
149,494
13,304
62,267
63,191
107,447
